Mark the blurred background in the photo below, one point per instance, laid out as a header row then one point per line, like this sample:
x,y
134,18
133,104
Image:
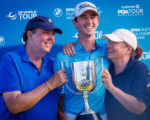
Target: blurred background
x,y
130,14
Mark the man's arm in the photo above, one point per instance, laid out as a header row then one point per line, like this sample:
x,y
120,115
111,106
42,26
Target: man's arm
x,y
19,102
61,115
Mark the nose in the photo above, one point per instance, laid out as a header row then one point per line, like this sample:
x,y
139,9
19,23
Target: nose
x,y
89,20
51,37
109,44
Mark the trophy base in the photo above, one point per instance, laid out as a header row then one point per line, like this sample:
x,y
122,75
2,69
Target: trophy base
x,y
89,116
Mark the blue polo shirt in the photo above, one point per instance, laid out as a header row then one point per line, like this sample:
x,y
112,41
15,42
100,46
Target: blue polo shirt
x,y
132,81
18,73
74,103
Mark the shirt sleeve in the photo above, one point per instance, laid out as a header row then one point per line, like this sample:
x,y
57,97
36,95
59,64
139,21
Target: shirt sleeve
x,y
139,88
9,78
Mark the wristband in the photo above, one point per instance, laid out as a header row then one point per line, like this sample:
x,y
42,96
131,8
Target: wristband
x,y
45,83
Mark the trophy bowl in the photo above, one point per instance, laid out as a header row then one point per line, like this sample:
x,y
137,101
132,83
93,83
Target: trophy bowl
x,y
84,79
83,75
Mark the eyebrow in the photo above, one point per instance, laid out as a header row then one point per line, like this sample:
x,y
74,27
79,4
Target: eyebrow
x,y
94,14
82,15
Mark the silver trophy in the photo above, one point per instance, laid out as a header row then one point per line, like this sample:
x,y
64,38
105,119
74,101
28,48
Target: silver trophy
x,y
84,80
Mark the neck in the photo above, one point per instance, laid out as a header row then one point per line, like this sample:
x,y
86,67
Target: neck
x,y
34,56
120,65
87,42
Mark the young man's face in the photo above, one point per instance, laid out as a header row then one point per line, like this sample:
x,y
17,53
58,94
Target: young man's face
x,y
87,23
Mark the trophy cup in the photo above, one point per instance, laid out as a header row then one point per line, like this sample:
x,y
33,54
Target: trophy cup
x,y
84,80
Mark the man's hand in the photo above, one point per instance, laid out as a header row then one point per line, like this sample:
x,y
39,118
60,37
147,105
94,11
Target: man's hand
x,y
59,78
69,49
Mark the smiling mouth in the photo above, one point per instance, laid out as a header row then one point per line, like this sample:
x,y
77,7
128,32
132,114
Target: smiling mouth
x,y
88,27
49,44
109,51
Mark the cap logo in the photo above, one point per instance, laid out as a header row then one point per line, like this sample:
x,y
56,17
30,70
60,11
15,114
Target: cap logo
x,y
49,20
86,5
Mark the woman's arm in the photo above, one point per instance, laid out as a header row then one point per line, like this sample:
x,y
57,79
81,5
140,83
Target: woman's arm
x,y
130,102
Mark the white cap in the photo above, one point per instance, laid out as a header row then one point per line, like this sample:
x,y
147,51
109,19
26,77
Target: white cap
x,y
84,6
120,35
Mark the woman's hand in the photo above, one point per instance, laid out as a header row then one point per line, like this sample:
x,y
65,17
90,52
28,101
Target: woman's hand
x,y
106,79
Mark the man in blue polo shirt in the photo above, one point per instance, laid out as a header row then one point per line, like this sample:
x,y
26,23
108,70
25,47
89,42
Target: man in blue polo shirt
x,y
28,86
86,20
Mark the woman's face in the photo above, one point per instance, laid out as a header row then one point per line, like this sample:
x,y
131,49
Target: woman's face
x,y
117,50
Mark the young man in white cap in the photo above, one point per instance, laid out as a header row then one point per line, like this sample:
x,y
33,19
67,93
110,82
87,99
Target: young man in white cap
x,y
127,94
86,20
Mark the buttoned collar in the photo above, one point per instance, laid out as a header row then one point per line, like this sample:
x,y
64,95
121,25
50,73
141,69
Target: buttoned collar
x,y
25,57
79,47
129,65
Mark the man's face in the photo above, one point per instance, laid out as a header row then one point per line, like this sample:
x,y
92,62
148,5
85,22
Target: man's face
x,y
42,40
87,23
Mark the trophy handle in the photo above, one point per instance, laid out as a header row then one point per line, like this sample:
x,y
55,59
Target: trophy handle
x,y
102,69
97,62
66,63
71,90
63,66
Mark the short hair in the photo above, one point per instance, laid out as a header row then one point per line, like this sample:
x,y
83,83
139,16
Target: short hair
x,y
25,37
75,19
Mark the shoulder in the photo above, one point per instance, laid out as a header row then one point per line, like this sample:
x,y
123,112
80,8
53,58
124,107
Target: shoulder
x,y
139,65
102,43
10,60
138,69
11,56
102,49
61,56
48,58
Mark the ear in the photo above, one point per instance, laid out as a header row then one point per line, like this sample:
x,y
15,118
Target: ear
x,y
75,23
129,49
29,33
98,21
